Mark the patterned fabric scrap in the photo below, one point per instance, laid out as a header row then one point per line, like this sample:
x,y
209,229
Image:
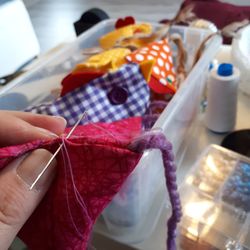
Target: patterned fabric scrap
x,y
94,67
114,96
163,79
97,65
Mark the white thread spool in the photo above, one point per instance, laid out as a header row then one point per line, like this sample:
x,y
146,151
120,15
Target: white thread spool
x,y
222,98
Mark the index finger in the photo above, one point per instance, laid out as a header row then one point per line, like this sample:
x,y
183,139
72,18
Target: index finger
x,y
18,128
55,124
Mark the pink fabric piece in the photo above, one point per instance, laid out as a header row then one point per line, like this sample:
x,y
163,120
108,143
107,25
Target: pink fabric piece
x,y
100,161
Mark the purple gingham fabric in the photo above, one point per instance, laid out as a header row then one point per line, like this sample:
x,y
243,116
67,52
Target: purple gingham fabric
x,y
93,98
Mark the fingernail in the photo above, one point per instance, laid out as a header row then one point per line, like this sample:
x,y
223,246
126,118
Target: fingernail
x,y
47,133
60,118
31,167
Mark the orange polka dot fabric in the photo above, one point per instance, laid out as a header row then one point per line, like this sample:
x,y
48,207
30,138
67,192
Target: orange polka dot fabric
x,y
163,78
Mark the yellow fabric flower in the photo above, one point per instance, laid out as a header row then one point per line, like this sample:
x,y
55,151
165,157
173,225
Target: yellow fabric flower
x,y
108,41
105,61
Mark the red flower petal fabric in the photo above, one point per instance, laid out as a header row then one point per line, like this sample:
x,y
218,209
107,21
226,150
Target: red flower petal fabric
x,y
92,166
123,22
78,79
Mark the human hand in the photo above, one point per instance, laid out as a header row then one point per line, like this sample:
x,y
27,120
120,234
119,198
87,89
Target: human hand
x,y
17,202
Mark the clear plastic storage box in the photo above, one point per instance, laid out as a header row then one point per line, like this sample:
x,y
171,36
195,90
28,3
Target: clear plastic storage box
x,y
134,211
216,202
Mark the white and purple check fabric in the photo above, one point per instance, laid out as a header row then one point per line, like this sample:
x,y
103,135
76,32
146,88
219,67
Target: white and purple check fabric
x,y
93,98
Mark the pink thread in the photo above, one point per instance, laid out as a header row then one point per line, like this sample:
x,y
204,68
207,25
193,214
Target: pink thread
x,y
68,166
67,198
78,196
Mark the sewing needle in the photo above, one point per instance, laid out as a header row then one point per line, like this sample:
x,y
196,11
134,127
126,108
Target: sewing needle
x,y
57,151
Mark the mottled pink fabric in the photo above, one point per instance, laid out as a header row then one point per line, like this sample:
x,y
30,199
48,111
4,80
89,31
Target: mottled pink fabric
x,y
100,162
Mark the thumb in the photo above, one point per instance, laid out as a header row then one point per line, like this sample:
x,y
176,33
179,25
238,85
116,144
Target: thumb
x,y
17,201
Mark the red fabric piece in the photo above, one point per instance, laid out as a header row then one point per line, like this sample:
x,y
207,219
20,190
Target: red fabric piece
x,y
100,161
78,79
122,22
159,88
221,14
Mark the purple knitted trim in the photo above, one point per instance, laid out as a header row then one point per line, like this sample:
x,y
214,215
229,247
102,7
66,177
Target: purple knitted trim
x,y
151,116
148,121
157,140
154,105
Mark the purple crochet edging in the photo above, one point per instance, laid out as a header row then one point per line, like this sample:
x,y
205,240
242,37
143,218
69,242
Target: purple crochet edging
x,y
148,121
154,105
157,140
151,116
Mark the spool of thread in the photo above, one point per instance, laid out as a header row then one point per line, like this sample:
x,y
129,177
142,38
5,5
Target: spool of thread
x,y
222,98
